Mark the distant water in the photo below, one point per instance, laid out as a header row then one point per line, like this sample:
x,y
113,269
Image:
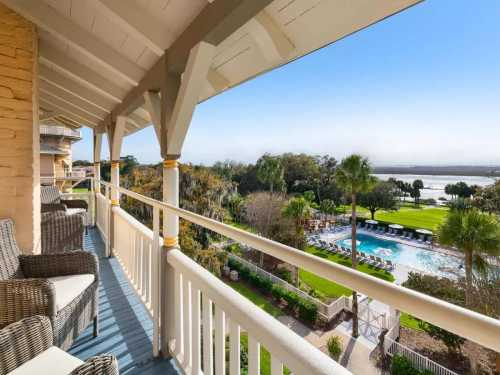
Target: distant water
x,y
434,185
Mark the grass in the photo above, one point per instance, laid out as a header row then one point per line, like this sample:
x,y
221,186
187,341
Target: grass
x,y
326,287
414,217
329,288
265,357
256,298
410,322
80,190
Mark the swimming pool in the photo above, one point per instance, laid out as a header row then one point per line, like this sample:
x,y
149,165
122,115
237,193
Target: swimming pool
x,y
411,256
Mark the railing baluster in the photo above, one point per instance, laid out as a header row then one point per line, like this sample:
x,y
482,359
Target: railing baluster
x,y
154,276
178,314
187,315
253,356
276,366
208,355
234,348
196,327
220,341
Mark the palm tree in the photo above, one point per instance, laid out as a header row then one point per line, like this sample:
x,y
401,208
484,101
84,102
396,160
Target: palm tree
x,y
299,210
270,172
354,176
475,234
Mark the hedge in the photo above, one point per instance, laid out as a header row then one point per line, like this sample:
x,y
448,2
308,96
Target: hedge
x,y
403,366
307,311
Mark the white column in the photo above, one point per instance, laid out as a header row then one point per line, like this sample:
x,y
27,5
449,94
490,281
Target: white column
x,y
115,182
171,196
170,241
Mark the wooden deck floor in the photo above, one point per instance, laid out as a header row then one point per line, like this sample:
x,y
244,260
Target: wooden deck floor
x,y
125,327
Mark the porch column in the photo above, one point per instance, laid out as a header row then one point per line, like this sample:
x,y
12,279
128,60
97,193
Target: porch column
x,y
19,129
115,132
171,196
97,172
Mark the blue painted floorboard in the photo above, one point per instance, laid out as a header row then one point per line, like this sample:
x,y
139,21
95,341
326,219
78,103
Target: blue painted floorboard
x,y
126,329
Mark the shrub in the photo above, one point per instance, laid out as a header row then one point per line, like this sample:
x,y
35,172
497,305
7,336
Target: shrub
x,y
334,346
403,366
254,279
266,285
278,292
452,342
244,273
284,274
291,299
308,311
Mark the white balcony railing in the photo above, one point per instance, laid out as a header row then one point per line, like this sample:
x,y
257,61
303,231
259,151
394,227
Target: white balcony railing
x,y
59,131
195,292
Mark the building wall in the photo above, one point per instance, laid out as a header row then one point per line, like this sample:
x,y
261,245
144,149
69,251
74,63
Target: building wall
x,y
19,129
63,144
46,165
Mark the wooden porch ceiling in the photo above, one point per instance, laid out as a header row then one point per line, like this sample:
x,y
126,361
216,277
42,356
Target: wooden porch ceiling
x,y
98,57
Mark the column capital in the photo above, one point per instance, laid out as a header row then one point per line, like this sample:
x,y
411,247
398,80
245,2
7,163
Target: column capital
x,y
169,164
170,242
115,164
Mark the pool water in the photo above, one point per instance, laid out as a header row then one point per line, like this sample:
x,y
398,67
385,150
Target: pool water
x,y
411,256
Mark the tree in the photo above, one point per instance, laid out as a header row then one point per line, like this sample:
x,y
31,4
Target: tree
x,y
354,176
415,192
382,197
299,210
327,206
452,342
270,172
487,199
473,233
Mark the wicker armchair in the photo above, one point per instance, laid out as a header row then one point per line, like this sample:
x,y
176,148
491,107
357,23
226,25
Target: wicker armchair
x,y
51,200
61,232
61,286
26,347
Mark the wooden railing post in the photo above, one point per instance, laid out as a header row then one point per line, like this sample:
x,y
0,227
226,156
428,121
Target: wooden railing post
x,y
115,200
170,241
156,285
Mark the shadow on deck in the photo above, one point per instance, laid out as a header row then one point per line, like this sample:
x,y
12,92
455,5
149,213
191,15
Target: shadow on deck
x,y
126,329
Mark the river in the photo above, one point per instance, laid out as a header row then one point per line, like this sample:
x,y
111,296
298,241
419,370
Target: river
x,y
434,185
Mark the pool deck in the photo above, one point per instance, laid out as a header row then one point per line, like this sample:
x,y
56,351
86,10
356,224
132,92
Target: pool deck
x,y
125,327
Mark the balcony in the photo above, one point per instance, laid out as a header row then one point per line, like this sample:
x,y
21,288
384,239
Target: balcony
x,y
60,131
177,298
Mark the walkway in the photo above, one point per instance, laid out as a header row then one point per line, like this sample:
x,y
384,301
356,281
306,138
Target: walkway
x,y
125,327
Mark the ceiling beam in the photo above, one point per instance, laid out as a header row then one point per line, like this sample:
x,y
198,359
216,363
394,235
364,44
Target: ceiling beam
x,y
46,87
79,72
272,41
143,27
48,19
51,107
217,80
68,122
217,21
70,107
192,83
54,103
75,88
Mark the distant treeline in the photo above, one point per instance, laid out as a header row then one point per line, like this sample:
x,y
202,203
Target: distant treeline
x,y
452,170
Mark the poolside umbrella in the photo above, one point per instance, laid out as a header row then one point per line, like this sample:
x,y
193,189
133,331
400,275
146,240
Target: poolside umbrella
x,y
372,222
424,231
396,226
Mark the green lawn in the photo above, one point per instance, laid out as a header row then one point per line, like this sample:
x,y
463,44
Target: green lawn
x,y
265,357
80,190
256,298
427,218
329,288
409,321
326,287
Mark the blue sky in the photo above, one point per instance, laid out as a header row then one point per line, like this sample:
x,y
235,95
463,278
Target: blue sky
x,y
422,87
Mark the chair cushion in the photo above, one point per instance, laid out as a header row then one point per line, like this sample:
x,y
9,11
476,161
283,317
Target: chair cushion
x,y
53,361
80,211
69,287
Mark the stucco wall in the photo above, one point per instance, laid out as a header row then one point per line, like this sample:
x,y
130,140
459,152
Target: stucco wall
x,y
19,130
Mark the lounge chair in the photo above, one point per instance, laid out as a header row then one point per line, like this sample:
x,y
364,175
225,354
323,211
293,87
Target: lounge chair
x,y
27,347
390,265
61,286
